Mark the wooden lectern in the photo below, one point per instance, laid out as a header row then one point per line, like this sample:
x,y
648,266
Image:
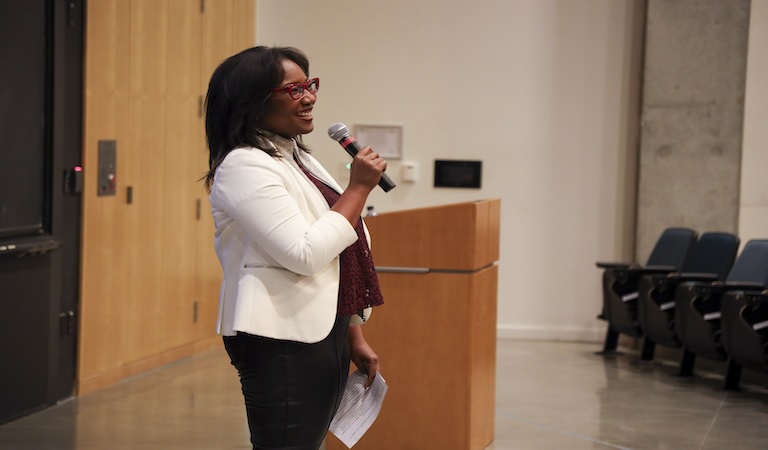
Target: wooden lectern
x,y
436,332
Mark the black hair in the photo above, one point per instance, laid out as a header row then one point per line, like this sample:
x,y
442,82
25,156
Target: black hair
x,y
237,100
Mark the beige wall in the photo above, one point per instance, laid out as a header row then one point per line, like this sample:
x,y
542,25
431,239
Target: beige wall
x,y
545,92
753,213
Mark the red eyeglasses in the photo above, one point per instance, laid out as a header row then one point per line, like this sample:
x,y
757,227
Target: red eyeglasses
x,y
296,90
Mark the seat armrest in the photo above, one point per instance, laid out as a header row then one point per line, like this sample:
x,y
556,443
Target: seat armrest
x,y
756,298
657,269
662,278
692,276
616,266
743,286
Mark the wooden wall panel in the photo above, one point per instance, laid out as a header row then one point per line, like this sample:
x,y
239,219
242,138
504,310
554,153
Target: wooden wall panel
x,y
243,24
141,327
104,244
182,151
215,46
236,18
147,263
218,40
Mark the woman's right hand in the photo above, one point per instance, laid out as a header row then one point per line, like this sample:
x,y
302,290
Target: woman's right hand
x,y
364,175
366,170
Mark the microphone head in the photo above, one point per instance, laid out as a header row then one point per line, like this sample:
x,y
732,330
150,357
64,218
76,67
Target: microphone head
x,y
338,131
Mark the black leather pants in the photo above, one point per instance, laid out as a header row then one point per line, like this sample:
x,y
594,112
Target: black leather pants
x,y
291,389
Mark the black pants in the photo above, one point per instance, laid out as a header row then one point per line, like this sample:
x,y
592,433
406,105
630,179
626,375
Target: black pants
x,y
291,389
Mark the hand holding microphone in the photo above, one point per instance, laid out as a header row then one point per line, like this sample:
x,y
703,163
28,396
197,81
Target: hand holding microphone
x,y
339,132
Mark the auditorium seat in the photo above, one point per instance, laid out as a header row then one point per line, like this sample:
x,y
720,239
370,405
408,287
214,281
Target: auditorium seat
x,y
745,333
710,260
698,307
620,282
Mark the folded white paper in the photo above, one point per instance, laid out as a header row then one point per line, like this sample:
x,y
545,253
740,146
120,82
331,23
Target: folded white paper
x,y
359,408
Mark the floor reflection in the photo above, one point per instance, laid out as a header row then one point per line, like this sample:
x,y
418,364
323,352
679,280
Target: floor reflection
x,y
550,395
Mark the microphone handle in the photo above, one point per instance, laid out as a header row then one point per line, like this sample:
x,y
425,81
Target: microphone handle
x,y
352,147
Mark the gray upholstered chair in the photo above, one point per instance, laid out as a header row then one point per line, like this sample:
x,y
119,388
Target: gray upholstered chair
x,y
698,308
710,260
620,283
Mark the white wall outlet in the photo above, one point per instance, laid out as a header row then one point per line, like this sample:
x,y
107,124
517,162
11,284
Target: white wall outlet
x,y
409,172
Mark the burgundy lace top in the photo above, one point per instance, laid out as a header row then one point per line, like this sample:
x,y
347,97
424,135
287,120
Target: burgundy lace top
x,y
359,284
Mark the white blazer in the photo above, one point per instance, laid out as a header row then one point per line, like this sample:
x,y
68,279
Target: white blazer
x,y
278,243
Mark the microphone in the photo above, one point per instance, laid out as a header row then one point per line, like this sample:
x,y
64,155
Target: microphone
x,y
339,132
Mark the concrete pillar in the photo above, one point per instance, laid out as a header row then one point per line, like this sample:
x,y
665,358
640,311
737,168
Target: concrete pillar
x,y
692,114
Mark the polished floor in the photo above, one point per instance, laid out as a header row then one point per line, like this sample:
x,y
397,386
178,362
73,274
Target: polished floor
x,y
549,396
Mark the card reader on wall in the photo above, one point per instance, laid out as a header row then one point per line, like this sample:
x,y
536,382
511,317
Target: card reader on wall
x,y
107,168
458,174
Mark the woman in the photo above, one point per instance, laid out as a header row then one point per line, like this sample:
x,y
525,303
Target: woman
x,y
298,277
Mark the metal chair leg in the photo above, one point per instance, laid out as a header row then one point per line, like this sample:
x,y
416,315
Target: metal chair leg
x,y
649,348
611,342
686,364
733,376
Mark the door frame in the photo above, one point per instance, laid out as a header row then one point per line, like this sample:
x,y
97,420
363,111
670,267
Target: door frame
x,y
67,52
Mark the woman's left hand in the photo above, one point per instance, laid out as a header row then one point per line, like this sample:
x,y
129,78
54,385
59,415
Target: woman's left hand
x,y
366,360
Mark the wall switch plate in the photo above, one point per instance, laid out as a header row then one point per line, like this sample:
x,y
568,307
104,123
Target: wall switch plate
x,y
409,172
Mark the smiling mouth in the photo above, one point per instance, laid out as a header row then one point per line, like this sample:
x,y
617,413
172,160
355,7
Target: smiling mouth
x,y
306,115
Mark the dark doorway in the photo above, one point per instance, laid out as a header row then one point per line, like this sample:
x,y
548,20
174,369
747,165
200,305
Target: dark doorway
x,y
41,49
